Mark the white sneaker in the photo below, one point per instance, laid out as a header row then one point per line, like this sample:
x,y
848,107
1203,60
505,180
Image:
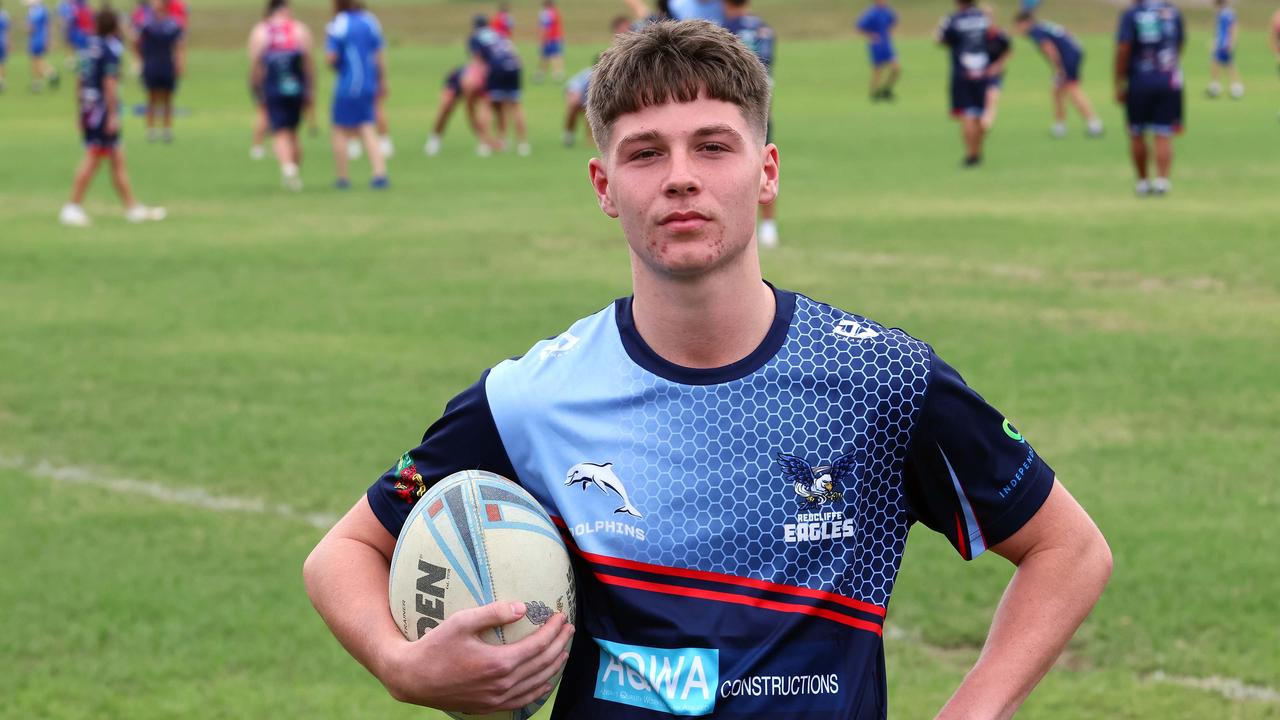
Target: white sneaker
x,y
524,149
73,215
1237,91
354,150
256,152
570,137
432,148
767,233
141,213
1161,186
483,150
1094,128
290,178
1058,130
1214,89
1143,188
388,149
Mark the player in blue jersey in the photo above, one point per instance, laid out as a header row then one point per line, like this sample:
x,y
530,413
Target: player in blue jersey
x,y
353,48
280,56
876,24
733,467
42,72
1065,56
503,71
1224,53
971,37
98,95
73,34
161,47
1148,82
761,40
4,43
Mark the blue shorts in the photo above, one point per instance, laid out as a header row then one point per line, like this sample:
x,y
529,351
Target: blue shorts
x,y
968,97
453,82
352,112
503,85
1153,109
881,54
996,81
77,39
38,50
93,126
1223,56
552,48
1071,70
160,80
284,113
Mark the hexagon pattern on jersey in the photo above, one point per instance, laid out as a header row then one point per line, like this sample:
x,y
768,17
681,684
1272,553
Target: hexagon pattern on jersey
x,y
713,452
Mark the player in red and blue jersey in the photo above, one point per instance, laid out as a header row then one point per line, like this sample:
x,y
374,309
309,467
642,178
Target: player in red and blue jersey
x,y
353,48
1148,82
161,47
733,467
552,54
971,36
503,23
876,24
4,43
1224,52
38,46
77,25
1065,56
280,53
98,96
762,41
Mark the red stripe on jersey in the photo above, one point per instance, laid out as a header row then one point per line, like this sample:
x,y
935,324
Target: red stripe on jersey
x,y
960,536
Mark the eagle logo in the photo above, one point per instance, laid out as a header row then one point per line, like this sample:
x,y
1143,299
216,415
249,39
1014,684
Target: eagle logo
x,y
818,485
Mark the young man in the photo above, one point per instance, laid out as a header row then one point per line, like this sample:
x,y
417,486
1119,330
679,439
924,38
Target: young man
x,y
761,40
4,43
280,52
1224,50
38,47
98,93
353,48
160,45
450,95
876,24
970,35
1065,56
552,42
1148,82
774,477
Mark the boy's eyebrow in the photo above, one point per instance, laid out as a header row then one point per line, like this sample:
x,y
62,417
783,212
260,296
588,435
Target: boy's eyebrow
x,y
654,135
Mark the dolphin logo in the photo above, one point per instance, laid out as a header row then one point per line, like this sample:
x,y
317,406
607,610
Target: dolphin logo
x,y
603,477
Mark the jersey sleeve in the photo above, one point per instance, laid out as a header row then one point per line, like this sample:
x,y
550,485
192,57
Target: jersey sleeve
x,y
945,34
464,438
864,22
1124,33
969,473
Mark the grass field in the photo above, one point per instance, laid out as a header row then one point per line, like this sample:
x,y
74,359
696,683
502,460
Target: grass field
x,y
184,405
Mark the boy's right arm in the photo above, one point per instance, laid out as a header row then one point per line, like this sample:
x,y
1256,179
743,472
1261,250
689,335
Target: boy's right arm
x,y
449,668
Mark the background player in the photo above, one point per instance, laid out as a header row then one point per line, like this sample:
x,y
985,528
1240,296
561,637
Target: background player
x,y
4,42
1148,81
1224,50
998,48
503,23
353,48
502,87
967,33
161,47
450,96
552,54
77,26
876,24
98,94
38,46
761,40
1065,56
280,52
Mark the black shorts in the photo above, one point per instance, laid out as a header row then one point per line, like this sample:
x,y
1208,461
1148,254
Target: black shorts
x,y
968,97
284,113
1153,109
163,81
93,127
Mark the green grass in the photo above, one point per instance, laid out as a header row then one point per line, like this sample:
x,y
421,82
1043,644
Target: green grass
x,y
288,348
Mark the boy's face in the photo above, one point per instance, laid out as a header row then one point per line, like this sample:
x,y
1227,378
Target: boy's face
x,y
685,180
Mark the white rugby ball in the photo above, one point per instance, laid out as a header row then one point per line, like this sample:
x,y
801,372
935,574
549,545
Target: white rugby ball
x,y
472,539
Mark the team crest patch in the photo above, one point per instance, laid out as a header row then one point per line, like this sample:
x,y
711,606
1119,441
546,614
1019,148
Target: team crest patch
x,y
409,484
817,485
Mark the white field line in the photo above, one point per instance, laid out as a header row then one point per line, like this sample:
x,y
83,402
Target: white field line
x,y
192,497
1230,688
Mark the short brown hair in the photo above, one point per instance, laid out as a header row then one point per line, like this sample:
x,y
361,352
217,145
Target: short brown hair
x,y
668,61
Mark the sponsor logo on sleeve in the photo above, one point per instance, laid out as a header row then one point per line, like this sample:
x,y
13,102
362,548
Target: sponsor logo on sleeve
x,y
676,681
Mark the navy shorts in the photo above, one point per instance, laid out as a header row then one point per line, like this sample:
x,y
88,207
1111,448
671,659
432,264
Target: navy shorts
x,y
503,85
1153,109
1071,70
284,113
881,54
352,112
453,82
552,48
93,126
968,97
163,81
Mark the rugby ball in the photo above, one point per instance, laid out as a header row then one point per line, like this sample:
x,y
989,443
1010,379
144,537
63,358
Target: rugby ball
x,y
472,539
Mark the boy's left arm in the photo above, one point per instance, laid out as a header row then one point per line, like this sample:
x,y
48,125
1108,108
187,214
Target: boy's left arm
x,y
1063,562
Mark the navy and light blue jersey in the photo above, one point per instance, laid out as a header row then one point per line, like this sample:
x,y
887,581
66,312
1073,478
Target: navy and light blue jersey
x,y
1226,21
967,33
284,73
355,38
756,35
38,26
736,531
156,43
1153,29
878,21
497,51
98,61
1068,47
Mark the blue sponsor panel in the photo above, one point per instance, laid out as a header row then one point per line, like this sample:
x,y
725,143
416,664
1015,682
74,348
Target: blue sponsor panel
x,y
677,681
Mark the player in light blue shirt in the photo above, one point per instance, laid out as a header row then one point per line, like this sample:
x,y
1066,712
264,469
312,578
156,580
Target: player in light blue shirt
x,y
876,24
709,10
4,44
353,48
1224,52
